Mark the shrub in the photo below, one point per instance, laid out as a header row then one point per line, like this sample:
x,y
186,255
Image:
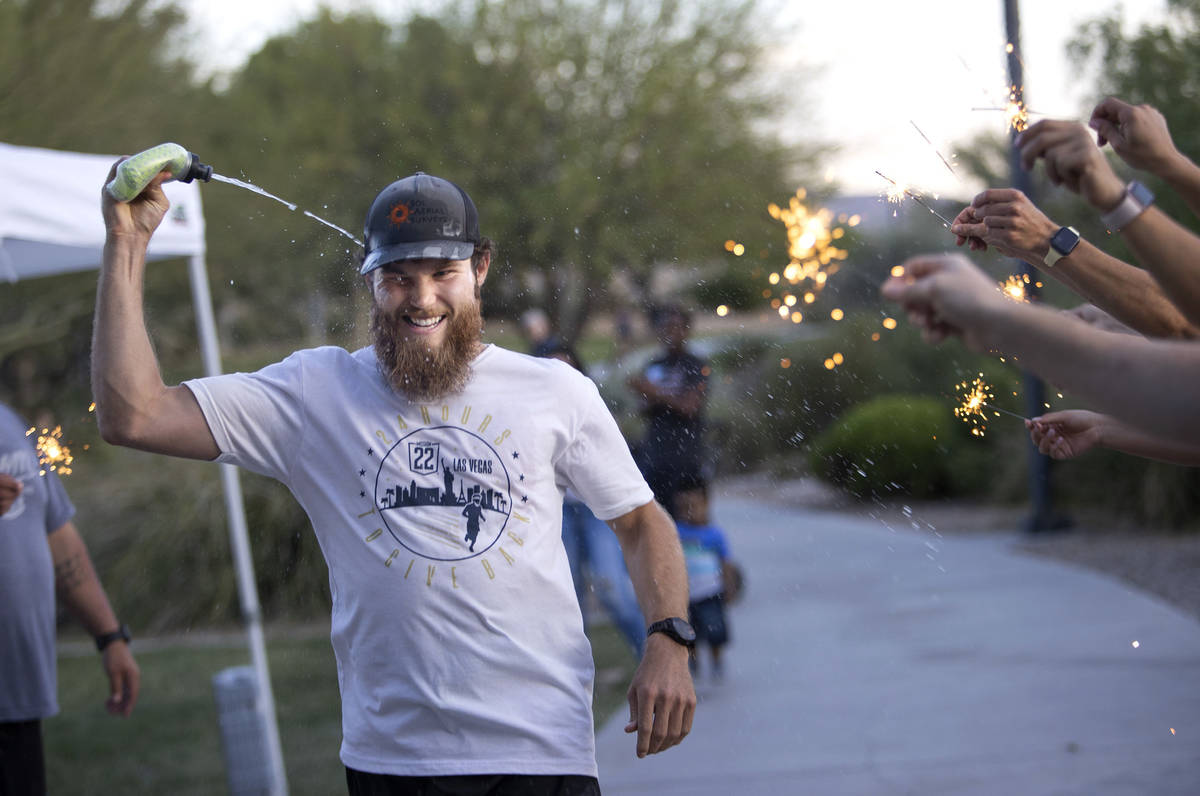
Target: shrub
x,y
900,444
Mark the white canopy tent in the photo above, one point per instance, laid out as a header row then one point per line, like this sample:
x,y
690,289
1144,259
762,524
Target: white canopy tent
x,y
50,223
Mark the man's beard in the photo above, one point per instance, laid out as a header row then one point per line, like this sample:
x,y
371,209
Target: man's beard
x,y
420,371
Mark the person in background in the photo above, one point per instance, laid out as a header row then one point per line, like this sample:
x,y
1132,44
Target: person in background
x,y
41,554
713,579
535,326
673,389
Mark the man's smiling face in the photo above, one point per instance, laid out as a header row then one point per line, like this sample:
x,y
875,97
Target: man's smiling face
x,y
424,296
426,322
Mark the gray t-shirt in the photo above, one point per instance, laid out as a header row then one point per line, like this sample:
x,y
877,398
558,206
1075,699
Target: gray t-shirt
x,y
27,665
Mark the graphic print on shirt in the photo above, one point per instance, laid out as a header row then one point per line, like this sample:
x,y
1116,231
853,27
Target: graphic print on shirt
x,y
444,493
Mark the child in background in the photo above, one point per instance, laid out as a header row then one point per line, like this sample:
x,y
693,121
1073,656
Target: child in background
x,y
712,576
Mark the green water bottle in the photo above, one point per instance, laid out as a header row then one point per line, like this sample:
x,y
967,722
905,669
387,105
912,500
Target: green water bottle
x,y
135,173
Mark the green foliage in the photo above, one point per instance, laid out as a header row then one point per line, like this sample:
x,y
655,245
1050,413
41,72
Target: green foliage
x,y
895,444
1157,65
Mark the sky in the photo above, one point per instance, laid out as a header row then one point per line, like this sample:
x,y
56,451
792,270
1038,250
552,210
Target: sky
x,y
865,72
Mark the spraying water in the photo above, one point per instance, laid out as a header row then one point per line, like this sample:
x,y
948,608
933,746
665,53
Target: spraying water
x,y
290,206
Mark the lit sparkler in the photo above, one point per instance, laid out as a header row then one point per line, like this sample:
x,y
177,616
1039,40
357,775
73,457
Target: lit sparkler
x,y
974,396
1014,288
53,455
1015,112
812,252
898,192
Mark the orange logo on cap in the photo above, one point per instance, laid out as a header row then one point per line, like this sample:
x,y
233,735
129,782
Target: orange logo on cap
x,y
399,214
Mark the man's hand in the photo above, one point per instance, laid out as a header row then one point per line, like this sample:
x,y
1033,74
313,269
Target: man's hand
x,y
139,217
1006,219
1065,435
124,678
662,699
1072,159
1138,133
944,295
10,490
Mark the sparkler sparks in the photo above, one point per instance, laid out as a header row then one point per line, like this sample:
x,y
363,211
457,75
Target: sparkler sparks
x,y
974,396
897,193
53,455
1015,112
812,252
1014,288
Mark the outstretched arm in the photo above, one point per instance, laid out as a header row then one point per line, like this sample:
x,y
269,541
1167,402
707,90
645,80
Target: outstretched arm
x,y
133,406
1139,134
662,699
1169,251
1006,219
80,591
1071,433
1152,384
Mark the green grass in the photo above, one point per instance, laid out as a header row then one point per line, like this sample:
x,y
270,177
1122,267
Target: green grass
x,y
171,743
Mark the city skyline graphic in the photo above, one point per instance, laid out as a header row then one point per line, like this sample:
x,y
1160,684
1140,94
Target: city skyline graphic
x,y
436,489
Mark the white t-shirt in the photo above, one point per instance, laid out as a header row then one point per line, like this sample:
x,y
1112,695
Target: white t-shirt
x,y
450,661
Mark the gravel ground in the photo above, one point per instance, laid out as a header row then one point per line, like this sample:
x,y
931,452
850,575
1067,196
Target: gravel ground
x,y
1161,563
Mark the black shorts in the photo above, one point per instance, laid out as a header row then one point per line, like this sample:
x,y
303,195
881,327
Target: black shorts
x,y
361,783
22,763
707,617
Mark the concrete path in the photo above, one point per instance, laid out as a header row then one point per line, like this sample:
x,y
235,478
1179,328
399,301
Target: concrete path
x,y
872,660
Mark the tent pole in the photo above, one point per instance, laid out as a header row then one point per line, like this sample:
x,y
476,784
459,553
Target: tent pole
x,y
239,535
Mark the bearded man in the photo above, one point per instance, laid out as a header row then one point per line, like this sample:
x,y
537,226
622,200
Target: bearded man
x,y
462,663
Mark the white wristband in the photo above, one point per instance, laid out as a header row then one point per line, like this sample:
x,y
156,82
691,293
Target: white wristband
x,y
1135,201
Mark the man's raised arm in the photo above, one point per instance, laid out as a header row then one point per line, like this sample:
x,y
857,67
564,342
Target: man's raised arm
x,y
134,407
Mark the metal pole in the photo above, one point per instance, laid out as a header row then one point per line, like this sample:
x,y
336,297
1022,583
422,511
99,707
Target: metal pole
x,y
1040,495
239,536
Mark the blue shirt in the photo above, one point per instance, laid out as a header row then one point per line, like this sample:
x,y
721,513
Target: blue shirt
x,y
704,550
28,667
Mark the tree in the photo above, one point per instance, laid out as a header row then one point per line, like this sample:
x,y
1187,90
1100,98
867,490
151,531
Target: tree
x,y
659,153
1158,65
96,77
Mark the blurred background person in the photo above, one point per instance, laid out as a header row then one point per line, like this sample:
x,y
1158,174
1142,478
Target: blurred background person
x,y
41,554
713,579
672,389
535,327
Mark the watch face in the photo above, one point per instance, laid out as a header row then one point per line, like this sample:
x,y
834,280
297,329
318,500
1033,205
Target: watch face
x,y
1064,240
1141,193
682,629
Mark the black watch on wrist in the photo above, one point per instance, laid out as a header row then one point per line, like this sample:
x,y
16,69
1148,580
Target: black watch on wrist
x,y
120,634
676,629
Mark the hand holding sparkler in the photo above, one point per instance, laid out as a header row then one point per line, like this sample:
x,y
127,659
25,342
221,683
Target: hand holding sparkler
x,y
944,295
1067,434
10,490
1006,219
1072,159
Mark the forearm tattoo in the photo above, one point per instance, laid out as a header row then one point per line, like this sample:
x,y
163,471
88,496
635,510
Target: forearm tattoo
x,y
69,573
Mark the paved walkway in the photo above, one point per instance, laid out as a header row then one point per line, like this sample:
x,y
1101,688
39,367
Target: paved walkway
x,y
871,660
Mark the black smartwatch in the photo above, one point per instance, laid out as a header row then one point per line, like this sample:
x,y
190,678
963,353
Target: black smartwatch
x,y
1062,243
676,629
120,634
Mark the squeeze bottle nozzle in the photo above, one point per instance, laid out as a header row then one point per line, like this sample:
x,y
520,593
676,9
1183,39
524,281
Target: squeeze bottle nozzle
x,y
135,173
